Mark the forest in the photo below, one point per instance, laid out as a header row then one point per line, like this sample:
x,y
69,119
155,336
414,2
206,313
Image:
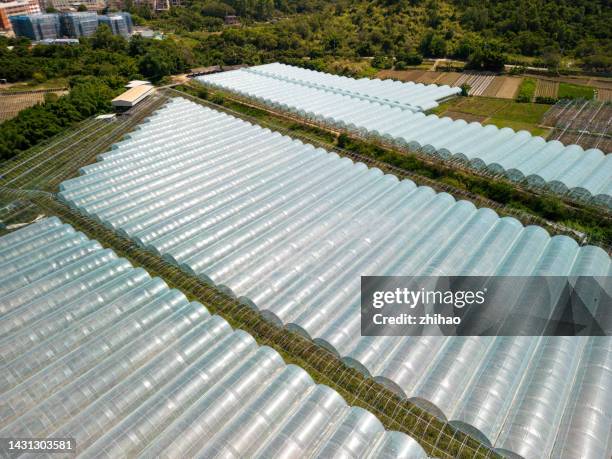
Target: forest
x,y
104,55
486,33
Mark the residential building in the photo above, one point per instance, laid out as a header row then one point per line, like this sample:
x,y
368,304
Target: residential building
x,y
36,26
157,5
232,20
80,24
16,8
50,26
119,23
72,5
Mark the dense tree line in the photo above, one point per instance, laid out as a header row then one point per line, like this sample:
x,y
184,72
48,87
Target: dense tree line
x,y
87,97
483,32
103,55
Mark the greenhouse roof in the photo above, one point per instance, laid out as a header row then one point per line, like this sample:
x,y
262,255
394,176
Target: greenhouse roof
x,y
389,114
96,350
289,229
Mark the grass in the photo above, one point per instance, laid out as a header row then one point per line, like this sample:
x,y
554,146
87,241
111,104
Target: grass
x,y
574,91
519,126
526,90
500,112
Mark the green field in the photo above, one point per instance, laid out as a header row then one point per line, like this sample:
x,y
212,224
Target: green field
x,y
500,112
574,91
526,90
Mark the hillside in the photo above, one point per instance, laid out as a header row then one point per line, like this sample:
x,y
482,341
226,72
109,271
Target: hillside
x,y
530,32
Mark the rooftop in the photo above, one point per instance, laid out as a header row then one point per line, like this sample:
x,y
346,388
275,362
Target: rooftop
x,y
132,95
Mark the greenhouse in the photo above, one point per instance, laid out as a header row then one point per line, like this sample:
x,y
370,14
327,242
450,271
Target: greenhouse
x,y
406,95
96,350
391,111
289,229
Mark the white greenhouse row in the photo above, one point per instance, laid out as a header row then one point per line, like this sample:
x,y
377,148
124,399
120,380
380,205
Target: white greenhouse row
x,y
406,95
96,350
289,229
521,157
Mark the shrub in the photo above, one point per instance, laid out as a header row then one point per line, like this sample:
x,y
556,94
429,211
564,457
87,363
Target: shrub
x,y
546,100
526,90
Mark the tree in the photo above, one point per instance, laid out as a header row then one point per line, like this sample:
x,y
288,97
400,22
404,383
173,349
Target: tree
x,y
410,58
103,38
598,62
551,58
217,9
155,65
82,7
487,57
475,18
433,45
382,62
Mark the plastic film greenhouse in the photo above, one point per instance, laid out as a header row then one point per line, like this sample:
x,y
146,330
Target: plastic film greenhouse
x,y
289,229
392,111
96,350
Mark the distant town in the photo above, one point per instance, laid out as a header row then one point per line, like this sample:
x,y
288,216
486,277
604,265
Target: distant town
x,y
62,21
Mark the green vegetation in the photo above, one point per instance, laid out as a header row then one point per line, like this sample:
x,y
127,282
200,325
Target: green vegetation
x,y
526,90
104,55
87,97
397,33
518,126
573,91
500,112
33,85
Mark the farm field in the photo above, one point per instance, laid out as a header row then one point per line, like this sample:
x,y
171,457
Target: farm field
x,y
547,88
12,103
526,90
509,88
481,83
401,75
584,123
604,95
448,78
500,112
572,91
478,82
593,81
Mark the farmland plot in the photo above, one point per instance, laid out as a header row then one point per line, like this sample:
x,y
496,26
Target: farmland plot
x,y
547,88
604,95
12,103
